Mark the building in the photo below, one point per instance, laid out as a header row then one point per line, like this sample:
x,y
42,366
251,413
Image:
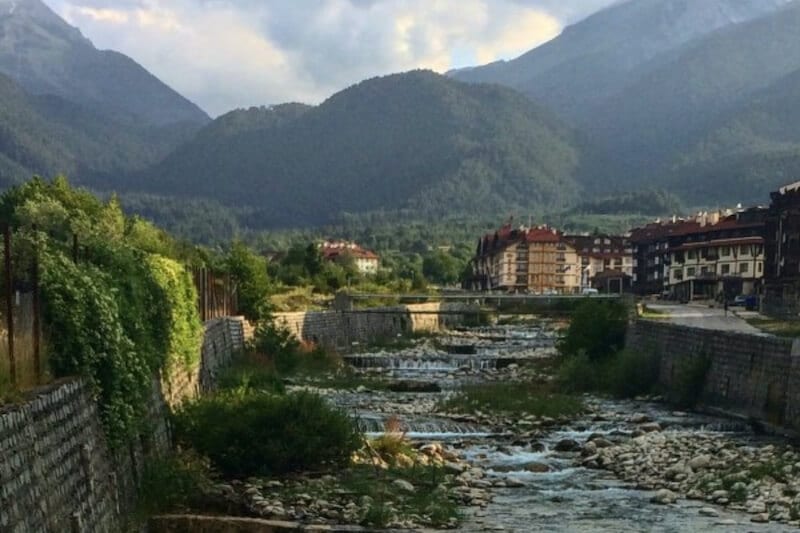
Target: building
x,y
526,260
366,261
782,253
606,261
710,256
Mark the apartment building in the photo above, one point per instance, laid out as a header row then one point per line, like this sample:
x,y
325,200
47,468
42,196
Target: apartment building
x,y
710,256
606,261
526,260
782,253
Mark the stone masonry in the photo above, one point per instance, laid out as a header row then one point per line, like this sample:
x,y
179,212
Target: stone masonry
x,y
57,472
756,376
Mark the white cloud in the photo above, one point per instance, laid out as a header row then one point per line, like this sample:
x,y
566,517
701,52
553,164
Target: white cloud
x,y
233,53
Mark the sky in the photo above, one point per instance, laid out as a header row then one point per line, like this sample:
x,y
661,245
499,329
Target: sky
x,y
226,54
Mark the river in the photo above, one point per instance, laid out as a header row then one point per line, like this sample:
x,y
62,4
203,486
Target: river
x,y
545,489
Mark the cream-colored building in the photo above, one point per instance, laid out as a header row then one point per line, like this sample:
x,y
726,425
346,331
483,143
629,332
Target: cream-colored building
x,y
530,260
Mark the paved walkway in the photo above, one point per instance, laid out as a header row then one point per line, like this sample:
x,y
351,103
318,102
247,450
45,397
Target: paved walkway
x,y
699,316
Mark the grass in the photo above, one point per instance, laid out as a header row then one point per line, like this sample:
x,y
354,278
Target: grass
x,y
653,314
514,399
780,328
299,299
428,500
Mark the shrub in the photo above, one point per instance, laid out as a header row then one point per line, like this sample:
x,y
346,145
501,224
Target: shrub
x,y
278,344
172,483
261,434
252,373
597,329
625,375
690,378
631,374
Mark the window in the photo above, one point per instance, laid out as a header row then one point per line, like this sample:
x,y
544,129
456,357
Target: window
x,y
703,270
677,275
690,272
726,251
744,250
760,268
692,254
726,269
744,268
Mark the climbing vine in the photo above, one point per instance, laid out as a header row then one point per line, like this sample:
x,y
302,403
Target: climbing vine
x,y
118,314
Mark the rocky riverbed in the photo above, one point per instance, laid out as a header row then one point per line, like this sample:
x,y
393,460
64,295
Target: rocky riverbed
x,y
619,466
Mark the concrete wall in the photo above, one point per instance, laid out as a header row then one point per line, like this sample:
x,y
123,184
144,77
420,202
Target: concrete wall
x,y
340,329
57,472
751,375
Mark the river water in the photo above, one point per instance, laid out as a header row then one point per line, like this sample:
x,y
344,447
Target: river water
x,y
558,495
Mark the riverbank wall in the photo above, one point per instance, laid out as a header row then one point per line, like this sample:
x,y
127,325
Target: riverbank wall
x,y
753,376
341,329
57,471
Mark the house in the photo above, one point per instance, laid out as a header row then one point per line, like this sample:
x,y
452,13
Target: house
x,y
601,254
534,260
366,261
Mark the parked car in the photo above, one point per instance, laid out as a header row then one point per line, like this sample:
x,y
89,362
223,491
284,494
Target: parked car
x,y
739,301
588,291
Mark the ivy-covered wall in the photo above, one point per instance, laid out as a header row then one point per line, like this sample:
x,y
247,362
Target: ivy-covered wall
x,y
57,470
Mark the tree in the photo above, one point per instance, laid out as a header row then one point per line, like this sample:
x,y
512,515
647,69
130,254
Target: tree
x,y
249,271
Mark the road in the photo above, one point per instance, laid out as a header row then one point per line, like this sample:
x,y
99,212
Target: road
x,y
698,316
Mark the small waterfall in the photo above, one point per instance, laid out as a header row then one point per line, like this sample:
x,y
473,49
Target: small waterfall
x,y
414,427
423,364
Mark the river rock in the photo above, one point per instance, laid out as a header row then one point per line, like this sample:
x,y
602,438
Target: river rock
x,y
567,445
709,511
664,497
700,462
403,485
650,427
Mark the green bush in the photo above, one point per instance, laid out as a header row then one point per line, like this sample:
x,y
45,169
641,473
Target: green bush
x,y
252,373
689,381
597,329
278,344
625,375
173,483
261,434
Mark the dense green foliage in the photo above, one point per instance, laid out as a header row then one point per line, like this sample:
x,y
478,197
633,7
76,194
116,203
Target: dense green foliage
x,y
174,482
626,374
249,271
414,140
596,330
118,315
262,434
655,203
689,380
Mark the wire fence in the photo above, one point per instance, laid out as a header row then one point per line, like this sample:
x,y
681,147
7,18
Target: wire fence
x,y
23,350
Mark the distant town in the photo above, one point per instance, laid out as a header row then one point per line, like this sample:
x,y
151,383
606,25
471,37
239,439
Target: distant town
x,y
718,255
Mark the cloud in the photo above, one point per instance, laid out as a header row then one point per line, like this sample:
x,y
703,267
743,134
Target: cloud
x,y
224,54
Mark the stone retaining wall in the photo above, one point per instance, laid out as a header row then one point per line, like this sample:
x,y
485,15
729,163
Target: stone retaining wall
x,y
56,470
340,329
750,375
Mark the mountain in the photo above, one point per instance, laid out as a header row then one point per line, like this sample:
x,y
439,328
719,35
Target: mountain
x,y
599,56
750,149
47,135
679,97
416,141
45,55
70,108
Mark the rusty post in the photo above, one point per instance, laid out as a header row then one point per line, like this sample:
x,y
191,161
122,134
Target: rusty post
x,y
37,357
12,363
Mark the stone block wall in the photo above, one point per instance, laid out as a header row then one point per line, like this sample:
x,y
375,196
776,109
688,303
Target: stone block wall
x,y
756,376
57,472
340,329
